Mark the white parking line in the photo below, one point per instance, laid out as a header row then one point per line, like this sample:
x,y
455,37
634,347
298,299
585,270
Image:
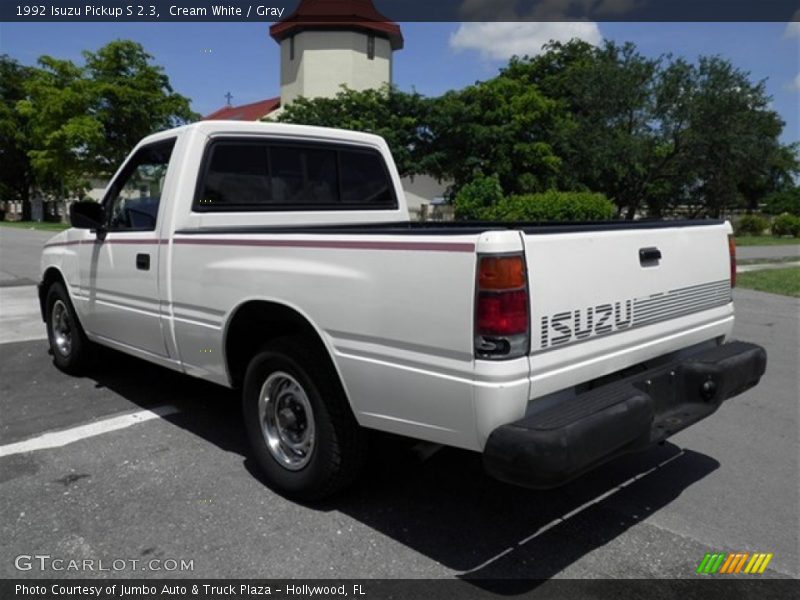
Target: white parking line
x,y
575,511
56,439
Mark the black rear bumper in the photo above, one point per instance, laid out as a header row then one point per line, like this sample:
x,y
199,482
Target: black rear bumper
x,y
555,445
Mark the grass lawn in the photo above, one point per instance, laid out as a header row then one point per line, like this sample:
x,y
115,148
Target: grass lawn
x,y
765,240
774,281
35,225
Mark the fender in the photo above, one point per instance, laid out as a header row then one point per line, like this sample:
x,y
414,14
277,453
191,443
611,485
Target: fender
x,y
325,339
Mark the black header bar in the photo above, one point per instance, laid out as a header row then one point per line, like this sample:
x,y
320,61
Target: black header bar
x,y
695,588
68,11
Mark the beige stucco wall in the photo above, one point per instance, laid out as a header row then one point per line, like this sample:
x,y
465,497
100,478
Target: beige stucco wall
x,y
324,60
422,189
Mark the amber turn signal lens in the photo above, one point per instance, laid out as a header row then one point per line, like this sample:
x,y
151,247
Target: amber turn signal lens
x,y
501,273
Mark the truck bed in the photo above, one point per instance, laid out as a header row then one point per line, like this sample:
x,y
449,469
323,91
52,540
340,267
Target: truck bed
x,y
458,227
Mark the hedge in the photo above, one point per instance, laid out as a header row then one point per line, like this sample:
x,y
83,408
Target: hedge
x,y
786,225
483,200
554,206
751,225
476,198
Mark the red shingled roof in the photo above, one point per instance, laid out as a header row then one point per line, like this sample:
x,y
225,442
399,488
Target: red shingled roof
x,y
338,14
245,112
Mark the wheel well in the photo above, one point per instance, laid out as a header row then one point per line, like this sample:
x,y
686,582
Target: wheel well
x,y
254,324
51,276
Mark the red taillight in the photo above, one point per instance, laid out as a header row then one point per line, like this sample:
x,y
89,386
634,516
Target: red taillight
x,y
502,313
732,254
501,308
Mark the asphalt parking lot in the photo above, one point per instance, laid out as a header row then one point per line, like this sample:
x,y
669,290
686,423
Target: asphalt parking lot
x,y
177,483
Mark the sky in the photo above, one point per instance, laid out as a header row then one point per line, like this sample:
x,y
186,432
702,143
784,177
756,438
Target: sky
x,y
204,61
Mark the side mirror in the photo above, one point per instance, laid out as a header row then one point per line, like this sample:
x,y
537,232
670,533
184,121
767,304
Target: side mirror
x,y
87,214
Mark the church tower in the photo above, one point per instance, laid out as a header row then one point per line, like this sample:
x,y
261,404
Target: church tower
x,y
329,43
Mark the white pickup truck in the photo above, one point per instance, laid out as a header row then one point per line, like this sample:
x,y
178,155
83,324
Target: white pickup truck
x,y
280,259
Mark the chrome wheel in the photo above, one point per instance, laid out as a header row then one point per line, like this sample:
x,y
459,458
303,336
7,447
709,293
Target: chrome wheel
x,y
62,328
287,420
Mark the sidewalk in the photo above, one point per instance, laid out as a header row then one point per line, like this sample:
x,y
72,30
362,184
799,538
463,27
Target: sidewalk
x,y
19,315
767,257
767,266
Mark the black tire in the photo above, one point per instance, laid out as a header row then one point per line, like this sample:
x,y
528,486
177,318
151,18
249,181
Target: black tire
x,y
73,357
338,448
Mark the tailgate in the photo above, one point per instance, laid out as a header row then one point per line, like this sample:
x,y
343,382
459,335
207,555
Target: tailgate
x,y
602,301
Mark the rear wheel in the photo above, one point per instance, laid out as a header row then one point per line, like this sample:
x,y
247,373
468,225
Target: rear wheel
x,y
68,342
301,429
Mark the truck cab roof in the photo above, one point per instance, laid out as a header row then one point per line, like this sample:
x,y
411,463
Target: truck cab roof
x,y
212,128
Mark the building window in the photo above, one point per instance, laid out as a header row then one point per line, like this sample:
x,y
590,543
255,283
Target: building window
x,y
291,48
371,47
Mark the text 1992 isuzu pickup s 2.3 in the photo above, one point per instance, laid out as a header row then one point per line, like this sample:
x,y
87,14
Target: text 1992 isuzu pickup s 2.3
x,y
279,259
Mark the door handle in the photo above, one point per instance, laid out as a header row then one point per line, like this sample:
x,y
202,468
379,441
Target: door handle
x,y
649,255
143,262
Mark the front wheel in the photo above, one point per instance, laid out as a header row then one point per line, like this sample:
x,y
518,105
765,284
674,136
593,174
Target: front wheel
x,y
68,342
301,429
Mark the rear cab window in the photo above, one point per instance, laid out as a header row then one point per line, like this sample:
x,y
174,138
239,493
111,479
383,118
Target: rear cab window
x,y
267,175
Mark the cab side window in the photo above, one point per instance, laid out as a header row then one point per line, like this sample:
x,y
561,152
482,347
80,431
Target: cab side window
x,y
133,200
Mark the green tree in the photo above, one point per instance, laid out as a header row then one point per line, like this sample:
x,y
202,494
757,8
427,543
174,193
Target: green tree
x,y
786,200
16,172
612,145
131,98
399,117
731,153
653,133
501,127
85,119
62,131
